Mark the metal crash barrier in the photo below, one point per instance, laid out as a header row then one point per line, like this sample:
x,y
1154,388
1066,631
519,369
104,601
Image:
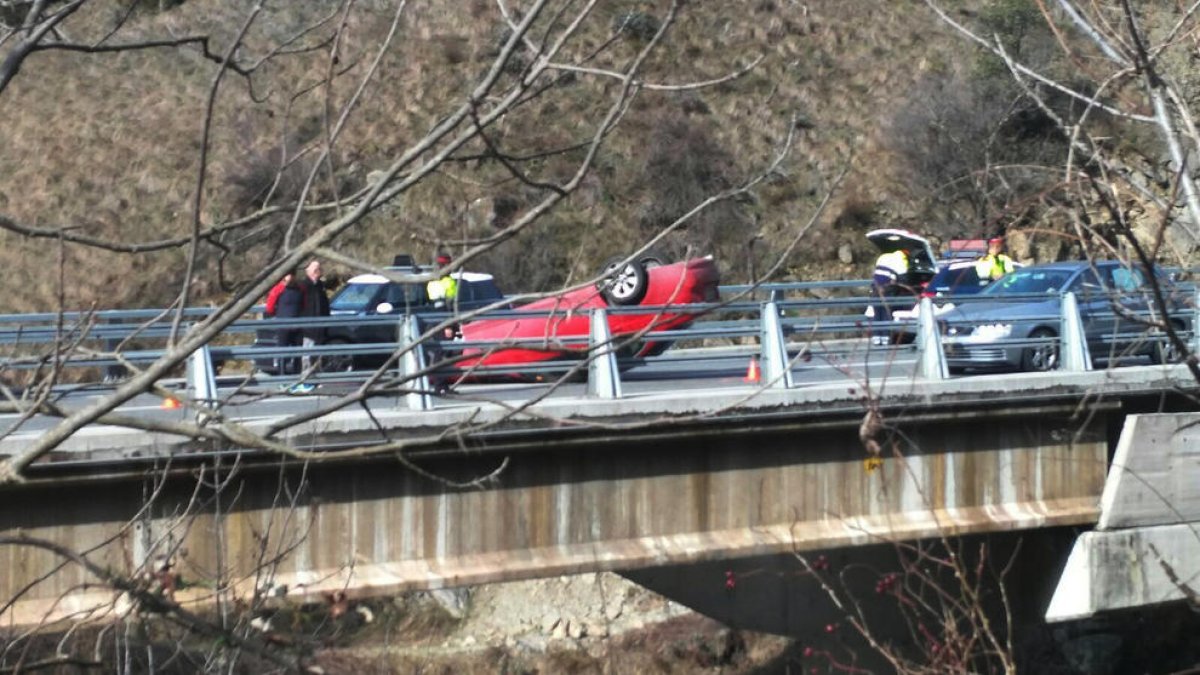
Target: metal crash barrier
x,y
778,327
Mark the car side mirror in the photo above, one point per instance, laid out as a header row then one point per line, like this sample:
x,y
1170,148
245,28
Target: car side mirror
x,y
384,308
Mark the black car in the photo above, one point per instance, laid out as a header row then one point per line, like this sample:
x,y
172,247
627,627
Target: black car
x,y
371,295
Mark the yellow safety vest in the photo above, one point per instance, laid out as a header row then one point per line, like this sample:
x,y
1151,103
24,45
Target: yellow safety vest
x,y
895,262
993,267
445,288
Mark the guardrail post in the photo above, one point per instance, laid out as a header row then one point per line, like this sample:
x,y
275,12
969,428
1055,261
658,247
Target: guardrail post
x,y
1195,342
776,370
200,377
604,380
929,344
412,364
1072,344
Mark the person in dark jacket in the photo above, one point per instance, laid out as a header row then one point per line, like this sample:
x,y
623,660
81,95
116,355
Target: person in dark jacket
x,y
275,292
290,305
316,304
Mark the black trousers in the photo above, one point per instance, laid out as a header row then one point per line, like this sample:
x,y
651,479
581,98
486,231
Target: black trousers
x,y
289,365
889,298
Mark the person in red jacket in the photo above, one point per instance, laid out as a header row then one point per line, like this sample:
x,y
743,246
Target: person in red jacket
x,y
275,292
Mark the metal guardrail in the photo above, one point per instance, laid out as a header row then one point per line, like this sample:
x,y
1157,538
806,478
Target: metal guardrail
x,y
780,326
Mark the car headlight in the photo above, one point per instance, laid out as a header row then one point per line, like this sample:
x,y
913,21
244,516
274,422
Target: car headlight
x,y
990,332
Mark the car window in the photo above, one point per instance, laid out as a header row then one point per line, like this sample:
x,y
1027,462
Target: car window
x,y
1087,283
1125,279
956,280
1029,281
479,291
407,296
354,297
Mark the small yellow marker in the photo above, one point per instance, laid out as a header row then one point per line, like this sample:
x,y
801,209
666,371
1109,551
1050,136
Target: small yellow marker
x,y
872,463
171,403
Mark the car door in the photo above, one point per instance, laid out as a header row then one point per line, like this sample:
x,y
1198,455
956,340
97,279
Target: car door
x,y
399,297
1095,309
1132,294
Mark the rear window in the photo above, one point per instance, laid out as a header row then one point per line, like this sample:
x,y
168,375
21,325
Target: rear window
x,y
478,291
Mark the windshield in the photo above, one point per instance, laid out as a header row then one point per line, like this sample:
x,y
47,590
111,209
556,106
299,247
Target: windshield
x,y
1029,281
354,297
958,280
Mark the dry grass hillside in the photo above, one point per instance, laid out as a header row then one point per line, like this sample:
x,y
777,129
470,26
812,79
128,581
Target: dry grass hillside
x,y
108,143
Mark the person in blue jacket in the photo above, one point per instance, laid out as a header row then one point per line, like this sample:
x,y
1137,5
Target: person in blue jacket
x,y
290,305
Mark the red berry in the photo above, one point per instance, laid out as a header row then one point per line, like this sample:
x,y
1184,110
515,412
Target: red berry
x,y
808,652
830,627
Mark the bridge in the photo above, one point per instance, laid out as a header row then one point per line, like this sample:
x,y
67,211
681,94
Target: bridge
x,y
504,482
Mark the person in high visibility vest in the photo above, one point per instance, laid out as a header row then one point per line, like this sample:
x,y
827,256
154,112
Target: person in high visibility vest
x,y
996,263
442,291
890,279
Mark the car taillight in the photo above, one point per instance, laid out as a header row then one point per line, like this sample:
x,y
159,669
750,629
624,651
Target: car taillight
x,y
928,294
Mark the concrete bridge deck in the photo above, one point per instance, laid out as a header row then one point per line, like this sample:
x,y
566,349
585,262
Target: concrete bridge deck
x,y
617,484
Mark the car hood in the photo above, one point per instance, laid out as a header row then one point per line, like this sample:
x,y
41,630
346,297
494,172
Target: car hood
x,y
999,311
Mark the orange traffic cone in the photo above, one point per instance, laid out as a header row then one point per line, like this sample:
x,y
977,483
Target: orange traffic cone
x,y
171,403
752,373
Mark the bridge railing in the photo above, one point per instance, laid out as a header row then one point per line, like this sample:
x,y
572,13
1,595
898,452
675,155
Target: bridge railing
x,y
781,331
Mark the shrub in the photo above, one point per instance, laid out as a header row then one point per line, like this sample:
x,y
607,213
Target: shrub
x,y
639,26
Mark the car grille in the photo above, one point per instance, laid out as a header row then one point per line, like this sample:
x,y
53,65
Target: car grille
x,y
977,354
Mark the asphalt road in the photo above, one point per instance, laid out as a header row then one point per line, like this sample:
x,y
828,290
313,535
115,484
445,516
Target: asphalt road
x,y
675,371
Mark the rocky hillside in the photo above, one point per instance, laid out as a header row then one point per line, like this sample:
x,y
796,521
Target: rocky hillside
x,y
107,144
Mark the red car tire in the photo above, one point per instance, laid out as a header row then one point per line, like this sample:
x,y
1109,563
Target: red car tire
x,y
624,285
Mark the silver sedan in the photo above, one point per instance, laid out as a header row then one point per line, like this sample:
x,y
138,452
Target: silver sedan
x,y
1016,322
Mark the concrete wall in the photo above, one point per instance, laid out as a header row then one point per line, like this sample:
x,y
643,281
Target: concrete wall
x,y
1146,546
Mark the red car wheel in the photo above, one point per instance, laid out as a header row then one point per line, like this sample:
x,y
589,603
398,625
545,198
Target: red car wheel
x,y
624,285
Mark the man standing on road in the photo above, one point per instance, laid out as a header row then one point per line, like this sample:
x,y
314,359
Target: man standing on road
x,y
289,304
316,304
442,293
995,264
275,292
890,280
443,290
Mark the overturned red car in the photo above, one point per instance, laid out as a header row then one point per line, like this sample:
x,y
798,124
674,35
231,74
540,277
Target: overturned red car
x,y
646,282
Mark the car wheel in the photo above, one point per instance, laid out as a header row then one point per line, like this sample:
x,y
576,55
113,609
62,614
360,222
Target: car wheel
x,y
1043,357
1165,351
625,285
337,363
